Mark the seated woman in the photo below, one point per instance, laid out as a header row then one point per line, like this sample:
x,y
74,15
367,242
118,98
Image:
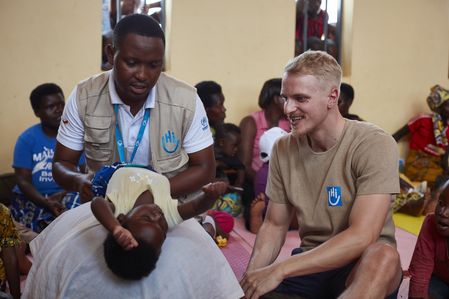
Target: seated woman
x,y
428,138
38,199
252,127
70,252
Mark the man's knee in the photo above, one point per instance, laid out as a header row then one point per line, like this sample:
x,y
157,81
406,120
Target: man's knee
x,y
384,264
381,255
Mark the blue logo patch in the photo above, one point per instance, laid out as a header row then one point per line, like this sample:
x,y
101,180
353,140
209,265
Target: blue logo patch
x,y
170,142
204,123
334,196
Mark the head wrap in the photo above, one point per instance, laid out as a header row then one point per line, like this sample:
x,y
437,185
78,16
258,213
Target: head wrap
x,y
437,97
223,220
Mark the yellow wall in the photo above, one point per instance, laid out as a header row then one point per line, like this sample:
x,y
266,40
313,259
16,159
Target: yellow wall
x,y
398,49
42,41
239,44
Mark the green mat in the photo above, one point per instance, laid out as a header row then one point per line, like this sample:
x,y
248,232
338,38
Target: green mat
x,y
408,223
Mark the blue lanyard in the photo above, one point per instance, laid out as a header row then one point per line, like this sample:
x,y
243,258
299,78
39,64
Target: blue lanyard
x,y
119,138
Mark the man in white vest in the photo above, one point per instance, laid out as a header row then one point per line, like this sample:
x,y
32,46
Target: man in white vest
x,y
135,114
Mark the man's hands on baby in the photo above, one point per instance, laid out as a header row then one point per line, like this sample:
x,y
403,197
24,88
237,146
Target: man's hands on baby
x,y
215,189
124,237
84,186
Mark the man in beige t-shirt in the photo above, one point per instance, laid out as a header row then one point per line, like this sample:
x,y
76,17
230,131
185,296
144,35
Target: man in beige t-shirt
x,y
337,177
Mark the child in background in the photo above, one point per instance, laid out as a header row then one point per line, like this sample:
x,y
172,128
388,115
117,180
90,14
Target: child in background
x,y
211,95
138,211
9,265
260,203
345,101
229,167
429,268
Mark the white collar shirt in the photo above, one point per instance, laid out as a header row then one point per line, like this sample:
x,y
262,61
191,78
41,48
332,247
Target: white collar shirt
x,y
130,125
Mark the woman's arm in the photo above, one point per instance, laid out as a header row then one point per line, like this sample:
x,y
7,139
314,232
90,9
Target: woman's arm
x,y
11,264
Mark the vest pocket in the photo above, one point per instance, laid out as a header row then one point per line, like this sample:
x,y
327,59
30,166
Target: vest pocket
x,y
172,163
97,138
97,129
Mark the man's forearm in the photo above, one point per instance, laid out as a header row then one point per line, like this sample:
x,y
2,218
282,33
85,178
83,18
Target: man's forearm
x,y
338,251
191,180
268,244
66,175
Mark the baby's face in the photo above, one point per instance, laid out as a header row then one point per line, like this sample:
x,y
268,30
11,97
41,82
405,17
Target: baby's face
x,y
147,222
442,214
230,144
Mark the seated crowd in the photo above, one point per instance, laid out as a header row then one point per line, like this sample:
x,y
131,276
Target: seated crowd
x,y
302,161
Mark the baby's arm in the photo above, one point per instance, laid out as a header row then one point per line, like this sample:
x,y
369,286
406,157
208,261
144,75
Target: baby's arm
x,y
240,178
102,210
204,201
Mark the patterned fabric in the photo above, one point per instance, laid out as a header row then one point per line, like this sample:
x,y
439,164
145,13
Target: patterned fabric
x,y
230,203
422,136
8,235
103,175
439,130
420,166
437,97
38,218
413,198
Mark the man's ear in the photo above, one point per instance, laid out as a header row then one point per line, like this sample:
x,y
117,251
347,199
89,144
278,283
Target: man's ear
x,y
333,97
110,51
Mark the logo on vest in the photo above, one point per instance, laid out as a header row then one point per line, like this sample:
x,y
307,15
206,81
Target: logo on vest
x,y
334,196
169,142
204,123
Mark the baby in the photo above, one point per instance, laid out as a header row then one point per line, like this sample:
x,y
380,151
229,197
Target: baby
x,y
429,268
138,211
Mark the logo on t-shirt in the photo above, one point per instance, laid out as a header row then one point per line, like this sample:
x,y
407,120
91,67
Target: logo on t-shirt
x,y
43,164
170,142
334,196
204,123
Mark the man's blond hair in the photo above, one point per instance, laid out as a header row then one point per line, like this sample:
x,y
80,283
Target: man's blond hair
x,y
318,64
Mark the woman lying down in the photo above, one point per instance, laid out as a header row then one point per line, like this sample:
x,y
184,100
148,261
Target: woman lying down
x,y
69,256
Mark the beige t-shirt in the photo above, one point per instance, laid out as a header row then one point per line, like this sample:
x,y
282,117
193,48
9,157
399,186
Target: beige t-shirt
x,y
126,185
323,186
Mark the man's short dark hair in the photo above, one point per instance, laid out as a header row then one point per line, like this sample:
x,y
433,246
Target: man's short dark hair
x,y
347,90
132,264
138,24
42,90
225,130
270,89
205,91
